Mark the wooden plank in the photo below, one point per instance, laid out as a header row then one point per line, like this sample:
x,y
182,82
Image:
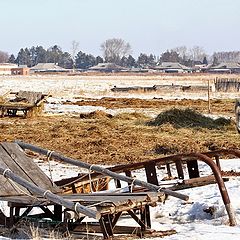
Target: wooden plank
x,y
95,228
31,97
148,197
76,197
8,188
29,168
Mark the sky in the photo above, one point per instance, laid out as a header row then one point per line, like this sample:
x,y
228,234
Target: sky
x,y
150,26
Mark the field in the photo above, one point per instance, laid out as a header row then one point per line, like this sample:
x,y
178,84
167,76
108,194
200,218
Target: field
x,y
84,119
123,135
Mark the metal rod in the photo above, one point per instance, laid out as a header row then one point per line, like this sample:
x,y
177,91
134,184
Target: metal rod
x,y
77,207
101,170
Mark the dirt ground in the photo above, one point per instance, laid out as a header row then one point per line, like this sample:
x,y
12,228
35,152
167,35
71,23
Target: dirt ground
x,y
124,138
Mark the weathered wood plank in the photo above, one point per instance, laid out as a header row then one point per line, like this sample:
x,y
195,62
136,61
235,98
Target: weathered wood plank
x,y
28,167
31,97
7,188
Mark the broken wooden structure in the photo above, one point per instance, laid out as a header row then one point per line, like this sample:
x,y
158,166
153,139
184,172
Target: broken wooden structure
x,y
182,162
27,102
26,187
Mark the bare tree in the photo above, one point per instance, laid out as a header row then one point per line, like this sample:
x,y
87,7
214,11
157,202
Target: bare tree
x,y
182,51
197,53
114,49
75,47
233,56
4,57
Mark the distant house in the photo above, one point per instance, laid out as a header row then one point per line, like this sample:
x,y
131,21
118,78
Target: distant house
x,y
107,67
172,67
20,70
231,67
6,68
47,68
201,67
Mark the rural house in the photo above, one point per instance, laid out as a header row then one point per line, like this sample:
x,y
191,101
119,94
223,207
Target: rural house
x,y
20,70
230,67
47,68
6,68
107,67
172,67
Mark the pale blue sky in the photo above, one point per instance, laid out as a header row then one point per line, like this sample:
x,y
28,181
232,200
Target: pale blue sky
x,y
150,26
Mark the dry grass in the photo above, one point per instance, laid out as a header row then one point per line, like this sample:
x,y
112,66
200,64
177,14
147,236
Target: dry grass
x,y
124,138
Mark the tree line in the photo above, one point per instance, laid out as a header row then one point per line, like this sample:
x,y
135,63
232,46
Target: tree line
x,y
115,51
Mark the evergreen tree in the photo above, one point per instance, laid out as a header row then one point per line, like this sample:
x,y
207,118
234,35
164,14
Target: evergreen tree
x,y
41,55
99,60
66,61
54,54
205,61
12,59
142,60
24,57
84,61
170,56
131,61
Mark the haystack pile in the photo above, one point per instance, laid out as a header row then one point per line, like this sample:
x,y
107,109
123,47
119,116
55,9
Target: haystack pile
x,y
188,118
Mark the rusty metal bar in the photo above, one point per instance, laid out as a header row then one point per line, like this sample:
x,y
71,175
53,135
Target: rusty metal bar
x,y
221,185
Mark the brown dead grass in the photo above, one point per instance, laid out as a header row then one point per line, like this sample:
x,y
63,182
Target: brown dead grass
x,y
124,138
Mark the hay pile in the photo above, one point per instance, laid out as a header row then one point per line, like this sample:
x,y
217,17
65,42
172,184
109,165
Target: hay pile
x,y
188,118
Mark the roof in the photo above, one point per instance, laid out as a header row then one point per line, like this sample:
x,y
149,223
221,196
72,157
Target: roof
x,y
172,65
8,65
227,65
44,67
106,66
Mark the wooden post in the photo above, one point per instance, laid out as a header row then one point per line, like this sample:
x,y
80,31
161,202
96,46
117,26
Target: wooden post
x,y
179,169
193,169
151,173
209,103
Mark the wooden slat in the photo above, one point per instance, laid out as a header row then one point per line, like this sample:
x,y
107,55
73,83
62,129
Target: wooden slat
x,y
7,188
94,198
32,97
29,168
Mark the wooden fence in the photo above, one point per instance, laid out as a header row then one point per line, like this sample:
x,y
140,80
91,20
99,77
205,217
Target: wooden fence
x,y
227,84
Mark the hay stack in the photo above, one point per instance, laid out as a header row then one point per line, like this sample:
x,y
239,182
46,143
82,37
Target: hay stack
x,y
188,118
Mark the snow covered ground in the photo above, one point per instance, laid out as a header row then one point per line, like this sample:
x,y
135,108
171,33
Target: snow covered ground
x,y
70,87
73,88
189,220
